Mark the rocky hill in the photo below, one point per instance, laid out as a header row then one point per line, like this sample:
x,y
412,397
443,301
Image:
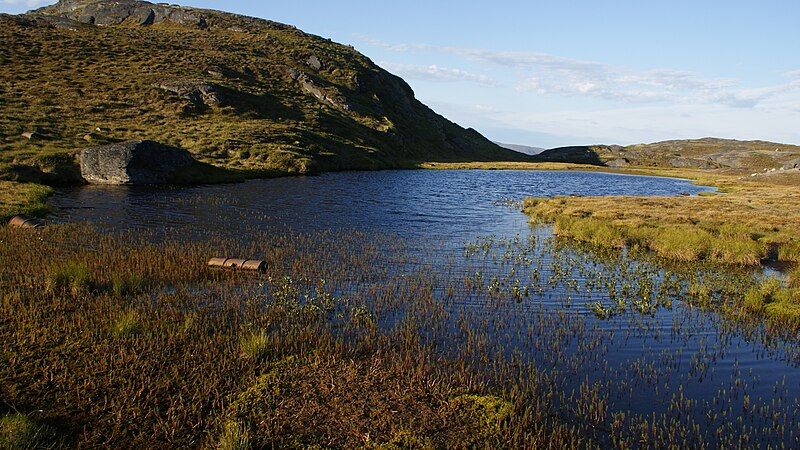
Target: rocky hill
x,y
707,153
238,92
527,149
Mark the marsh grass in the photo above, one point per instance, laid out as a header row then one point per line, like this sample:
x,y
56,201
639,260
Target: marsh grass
x,y
73,277
127,324
234,437
255,345
777,302
129,284
738,228
294,357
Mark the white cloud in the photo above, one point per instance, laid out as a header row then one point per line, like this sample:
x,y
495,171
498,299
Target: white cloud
x,y
436,73
555,75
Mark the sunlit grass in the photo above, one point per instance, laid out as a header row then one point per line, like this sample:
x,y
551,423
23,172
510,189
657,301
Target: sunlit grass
x,y
127,324
74,277
735,228
22,198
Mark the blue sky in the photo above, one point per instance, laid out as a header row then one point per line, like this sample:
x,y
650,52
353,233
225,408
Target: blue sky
x,y
577,72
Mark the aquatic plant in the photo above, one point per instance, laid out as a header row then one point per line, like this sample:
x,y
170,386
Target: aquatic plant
x,y
343,323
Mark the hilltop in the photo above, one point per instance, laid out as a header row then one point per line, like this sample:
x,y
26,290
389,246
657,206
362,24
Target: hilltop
x,y
527,149
707,153
251,95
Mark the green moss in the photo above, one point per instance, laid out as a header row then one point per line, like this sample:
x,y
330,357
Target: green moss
x,y
17,431
487,411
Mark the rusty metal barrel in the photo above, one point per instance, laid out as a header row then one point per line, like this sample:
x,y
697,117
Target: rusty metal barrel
x,y
243,264
23,221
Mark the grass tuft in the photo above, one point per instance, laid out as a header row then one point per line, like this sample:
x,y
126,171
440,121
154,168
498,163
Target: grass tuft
x,y
72,276
234,437
255,345
122,285
126,325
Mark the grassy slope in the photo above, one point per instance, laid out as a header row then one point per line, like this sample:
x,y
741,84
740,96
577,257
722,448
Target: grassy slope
x,y
707,153
100,83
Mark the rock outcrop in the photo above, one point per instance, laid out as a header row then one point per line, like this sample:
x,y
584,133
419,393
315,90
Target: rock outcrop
x,y
125,11
133,162
330,96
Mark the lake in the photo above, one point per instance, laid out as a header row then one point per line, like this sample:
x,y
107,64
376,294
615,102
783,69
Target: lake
x,y
659,356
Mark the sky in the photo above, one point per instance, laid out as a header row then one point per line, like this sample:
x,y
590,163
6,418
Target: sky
x,y
553,73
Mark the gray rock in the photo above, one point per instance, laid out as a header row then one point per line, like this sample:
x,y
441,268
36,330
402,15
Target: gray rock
x,y
133,162
198,92
124,11
618,162
32,135
793,164
314,62
323,95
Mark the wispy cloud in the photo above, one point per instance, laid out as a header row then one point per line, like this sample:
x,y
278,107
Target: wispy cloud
x,y
548,74
26,3
436,73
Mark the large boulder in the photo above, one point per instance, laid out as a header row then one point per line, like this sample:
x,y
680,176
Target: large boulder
x,y
133,162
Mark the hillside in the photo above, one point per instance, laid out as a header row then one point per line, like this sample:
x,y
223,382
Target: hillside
x,y
247,94
706,153
527,149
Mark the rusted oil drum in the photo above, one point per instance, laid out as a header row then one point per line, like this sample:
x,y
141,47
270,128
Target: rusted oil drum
x,y
217,262
25,222
233,263
255,264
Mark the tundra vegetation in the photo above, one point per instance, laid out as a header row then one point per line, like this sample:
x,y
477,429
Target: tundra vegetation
x,y
349,341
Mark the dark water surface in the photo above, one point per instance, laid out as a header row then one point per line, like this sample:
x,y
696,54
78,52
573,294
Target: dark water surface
x,y
678,360
453,205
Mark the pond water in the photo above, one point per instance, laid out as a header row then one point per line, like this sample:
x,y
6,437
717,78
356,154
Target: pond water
x,y
675,359
454,205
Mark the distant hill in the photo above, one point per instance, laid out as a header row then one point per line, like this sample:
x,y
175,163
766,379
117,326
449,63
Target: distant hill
x,y
706,153
237,92
526,149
